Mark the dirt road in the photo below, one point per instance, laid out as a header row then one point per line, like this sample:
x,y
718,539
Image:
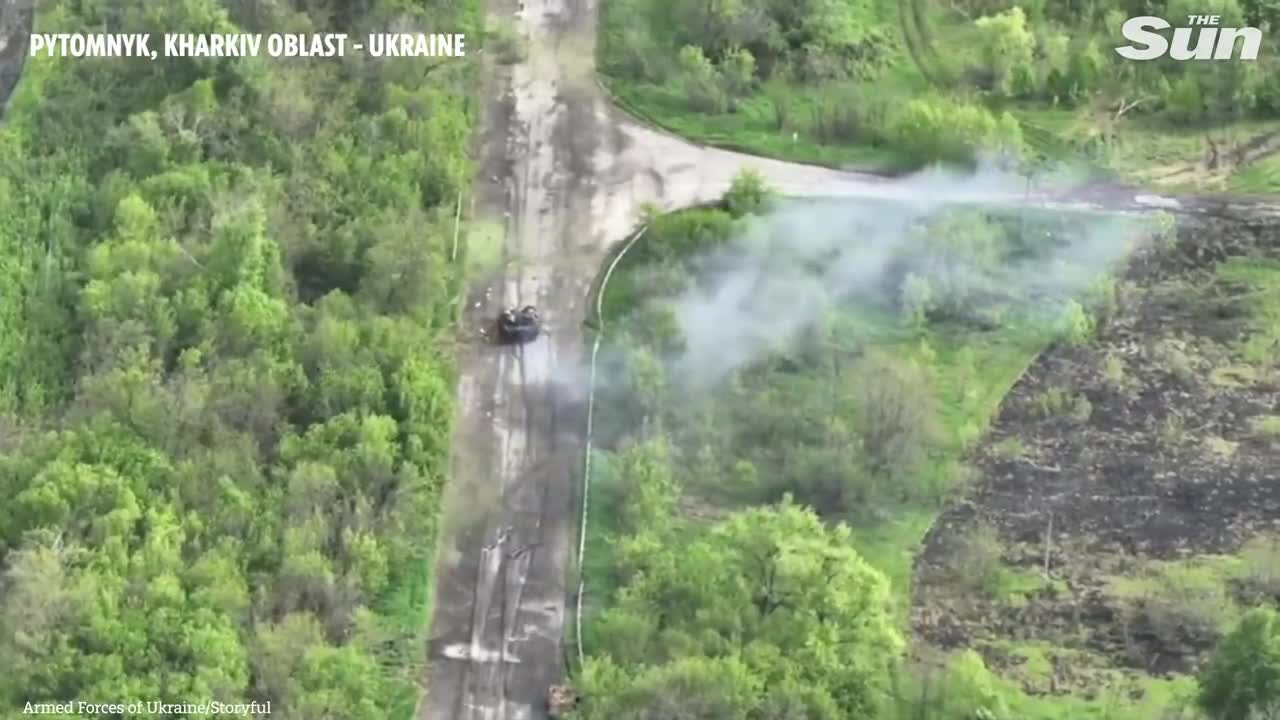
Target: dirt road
x,y
568,174
15,27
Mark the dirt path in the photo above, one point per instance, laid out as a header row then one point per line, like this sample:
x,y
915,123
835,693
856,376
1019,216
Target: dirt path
x,y
568,173
15,26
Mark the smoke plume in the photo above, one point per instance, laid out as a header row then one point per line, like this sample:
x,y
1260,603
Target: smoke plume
x,y
776,279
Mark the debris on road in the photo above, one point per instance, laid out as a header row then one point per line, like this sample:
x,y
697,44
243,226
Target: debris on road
x,y
561,700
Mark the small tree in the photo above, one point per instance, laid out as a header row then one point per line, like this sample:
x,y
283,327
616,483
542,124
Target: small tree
x,y
702,82
917,300
898,415
738,70
748,194
779,96
1242,680
644,474
1076,327
1007,46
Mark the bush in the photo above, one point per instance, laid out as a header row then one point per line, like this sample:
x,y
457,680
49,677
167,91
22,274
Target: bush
x,y
1182,604
932,130
701,81
898,418
1175,357
1261,573
748,194
974,563
1075,327
738,70
917,301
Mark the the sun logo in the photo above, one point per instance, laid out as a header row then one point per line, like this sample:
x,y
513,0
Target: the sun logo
x,y
1212,42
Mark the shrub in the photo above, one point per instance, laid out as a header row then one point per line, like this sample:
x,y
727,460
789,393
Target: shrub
x,y
941,130
1181,603
1115,372
1261,572
701,81
917,300
974,562
748,194
1075,327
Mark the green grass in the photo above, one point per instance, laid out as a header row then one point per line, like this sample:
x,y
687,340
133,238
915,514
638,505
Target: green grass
x,y
1268,425
1142,149
406,612
972,372
1125,695
1260,177
751,129
1261,277
482,245
1149,151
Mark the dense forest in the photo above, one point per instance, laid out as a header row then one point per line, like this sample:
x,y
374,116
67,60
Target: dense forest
x,y
753,531
225,364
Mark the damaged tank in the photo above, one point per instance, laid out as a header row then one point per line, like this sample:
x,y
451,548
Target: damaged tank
x,y
519,326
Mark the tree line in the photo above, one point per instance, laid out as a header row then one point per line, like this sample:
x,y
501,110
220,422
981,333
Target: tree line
x,y
931,81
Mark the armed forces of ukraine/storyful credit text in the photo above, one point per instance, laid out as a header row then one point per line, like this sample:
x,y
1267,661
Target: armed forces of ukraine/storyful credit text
x,y
246,45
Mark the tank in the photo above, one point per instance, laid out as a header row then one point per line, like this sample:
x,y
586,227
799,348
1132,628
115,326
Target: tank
x,y
519,326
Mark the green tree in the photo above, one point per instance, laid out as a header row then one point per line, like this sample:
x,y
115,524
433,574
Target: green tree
x,y
650,492
702,82
749,194
916,302
1008,45
738,68
778,582
1242,679
1185,101
691,688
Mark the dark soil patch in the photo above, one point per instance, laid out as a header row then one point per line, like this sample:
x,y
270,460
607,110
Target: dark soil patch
x,y
1137,447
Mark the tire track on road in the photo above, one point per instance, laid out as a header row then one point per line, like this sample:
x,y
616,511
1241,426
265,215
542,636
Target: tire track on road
x,y
579,171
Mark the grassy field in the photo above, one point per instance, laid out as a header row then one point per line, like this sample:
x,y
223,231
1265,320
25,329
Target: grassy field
x,y
1210,426
1142,577
931,42
752,128
971,373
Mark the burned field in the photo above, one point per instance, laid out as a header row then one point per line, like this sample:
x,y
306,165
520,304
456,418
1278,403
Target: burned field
x,y
1123,506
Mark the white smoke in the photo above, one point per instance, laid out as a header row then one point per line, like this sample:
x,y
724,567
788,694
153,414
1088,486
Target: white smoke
x,y
757,294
